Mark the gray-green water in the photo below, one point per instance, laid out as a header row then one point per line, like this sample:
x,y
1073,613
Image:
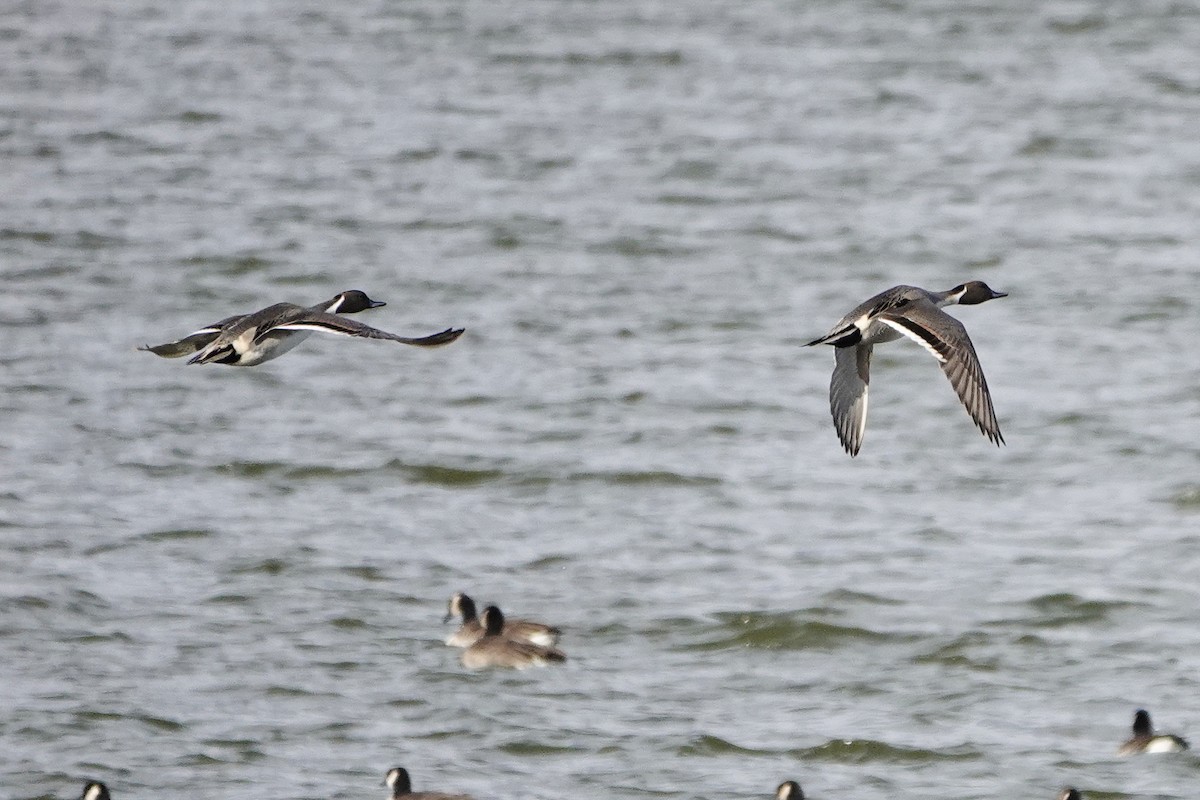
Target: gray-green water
x,y
222,583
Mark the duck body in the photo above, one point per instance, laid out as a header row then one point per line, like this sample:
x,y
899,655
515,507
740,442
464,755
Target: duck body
x,y
471,630
350,301
1165,743
1146,740
255,338
494,649
246,340
915,313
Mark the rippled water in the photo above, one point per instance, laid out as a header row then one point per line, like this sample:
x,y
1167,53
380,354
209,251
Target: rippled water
x,y
230,582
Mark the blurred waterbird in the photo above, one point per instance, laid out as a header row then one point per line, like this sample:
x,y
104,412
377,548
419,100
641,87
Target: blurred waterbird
x,y
1145,740
471,630
789,790
495,650
398,781
95,790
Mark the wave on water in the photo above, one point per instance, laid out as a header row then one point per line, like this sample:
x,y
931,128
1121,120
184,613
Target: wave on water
x,y
236,750
443,475
182,534
89,718
285,473
644,478
961,652
788,631
1063,609
619,57
529,748
420,473
870,751
843,751
1187,498
709,745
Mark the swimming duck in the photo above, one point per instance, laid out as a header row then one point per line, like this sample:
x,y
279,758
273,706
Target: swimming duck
x,y
471,630
95,790
916,313
789,790
1070,793
351,301
495,650
1145,740
250,339
397,780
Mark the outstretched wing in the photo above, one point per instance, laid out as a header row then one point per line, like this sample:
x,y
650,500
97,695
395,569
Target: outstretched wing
x,y
848,394
947,340
331,323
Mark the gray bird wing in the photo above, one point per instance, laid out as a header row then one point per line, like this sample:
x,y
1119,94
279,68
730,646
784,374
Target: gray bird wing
x,y
332,323
848,394
947,340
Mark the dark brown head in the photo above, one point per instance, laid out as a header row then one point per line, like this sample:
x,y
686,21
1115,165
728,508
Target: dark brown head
x,y
397,780
973,293
460,606
95,790
492,621
353,301
1141,723
789,790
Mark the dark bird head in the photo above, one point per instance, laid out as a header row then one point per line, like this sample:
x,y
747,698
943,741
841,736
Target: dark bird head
x,y
492,620
397,780
973,293
94,790
789,790
353,301
460,606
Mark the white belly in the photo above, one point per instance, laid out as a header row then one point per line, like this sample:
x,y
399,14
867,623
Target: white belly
x,y
1162,744
272,346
